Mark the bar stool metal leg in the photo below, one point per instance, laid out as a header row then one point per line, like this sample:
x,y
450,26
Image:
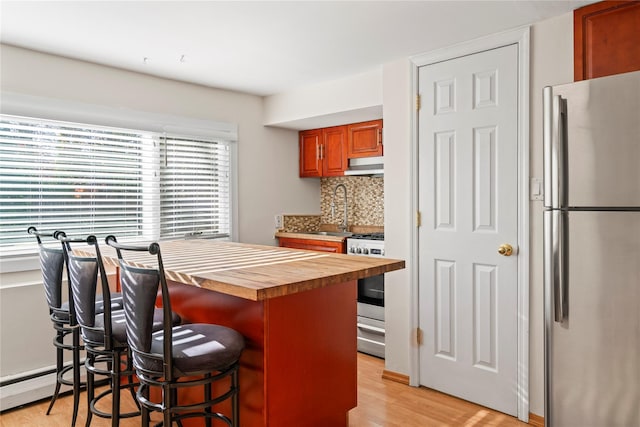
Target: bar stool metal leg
x,y
59,366
76,374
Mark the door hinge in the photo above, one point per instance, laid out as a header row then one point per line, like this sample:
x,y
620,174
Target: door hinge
x,y
418,336
418,219
418,102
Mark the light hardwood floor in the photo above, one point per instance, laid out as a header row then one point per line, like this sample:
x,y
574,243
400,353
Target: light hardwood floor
x,y
381,403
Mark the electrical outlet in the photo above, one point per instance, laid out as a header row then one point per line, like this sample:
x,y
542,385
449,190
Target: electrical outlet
x,y
278,221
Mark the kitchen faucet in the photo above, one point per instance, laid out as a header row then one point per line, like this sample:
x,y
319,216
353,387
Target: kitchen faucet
x,y
344,225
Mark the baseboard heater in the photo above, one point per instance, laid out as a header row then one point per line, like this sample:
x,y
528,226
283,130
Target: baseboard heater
x,y
31,387
10,381
28,387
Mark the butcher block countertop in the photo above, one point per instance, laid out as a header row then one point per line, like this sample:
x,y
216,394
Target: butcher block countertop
x,y
255,272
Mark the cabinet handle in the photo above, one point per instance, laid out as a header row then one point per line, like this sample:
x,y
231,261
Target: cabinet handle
x,y
379,136
321,151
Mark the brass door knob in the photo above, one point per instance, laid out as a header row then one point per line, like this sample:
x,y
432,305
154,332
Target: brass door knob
x,y
505,249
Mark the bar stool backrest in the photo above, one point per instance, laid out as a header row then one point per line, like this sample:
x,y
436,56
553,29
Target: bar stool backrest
x,y
83,276
52,266
139,290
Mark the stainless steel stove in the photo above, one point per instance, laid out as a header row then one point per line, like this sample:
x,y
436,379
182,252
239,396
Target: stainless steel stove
x,y
366,244
371,327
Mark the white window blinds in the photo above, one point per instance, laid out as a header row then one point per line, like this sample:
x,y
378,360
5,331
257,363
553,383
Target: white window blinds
x,y
87,179
194,188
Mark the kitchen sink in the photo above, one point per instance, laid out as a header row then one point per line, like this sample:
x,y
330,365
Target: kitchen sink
x,y
330,233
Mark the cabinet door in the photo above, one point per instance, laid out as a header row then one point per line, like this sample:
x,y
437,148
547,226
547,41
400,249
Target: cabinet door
x,y
310,146
606,39
334,151
365,139
312,245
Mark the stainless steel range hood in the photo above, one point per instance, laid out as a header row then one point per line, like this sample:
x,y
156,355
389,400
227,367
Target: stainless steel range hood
x,y
366,166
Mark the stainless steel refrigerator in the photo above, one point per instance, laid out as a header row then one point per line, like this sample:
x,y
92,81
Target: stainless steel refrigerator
x,y
592,252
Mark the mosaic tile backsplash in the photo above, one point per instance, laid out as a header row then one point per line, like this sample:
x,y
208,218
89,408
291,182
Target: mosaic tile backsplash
x,y
300,223
365,203
365,200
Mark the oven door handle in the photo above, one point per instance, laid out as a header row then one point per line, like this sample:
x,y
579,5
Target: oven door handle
x,y
371,328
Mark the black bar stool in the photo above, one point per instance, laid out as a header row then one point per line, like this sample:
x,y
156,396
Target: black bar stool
x,y
103,333
64,323
176,357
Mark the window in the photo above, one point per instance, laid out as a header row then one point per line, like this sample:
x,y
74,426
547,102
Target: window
x,y
194,187
87,179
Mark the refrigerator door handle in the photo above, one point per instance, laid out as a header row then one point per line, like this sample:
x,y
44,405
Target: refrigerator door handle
x,y
554,146
555,242
547,138
560,274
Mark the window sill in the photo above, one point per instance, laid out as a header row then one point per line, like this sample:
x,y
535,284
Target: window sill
x,y
19,261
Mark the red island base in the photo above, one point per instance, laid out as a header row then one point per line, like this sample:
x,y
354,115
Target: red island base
x,y
299,367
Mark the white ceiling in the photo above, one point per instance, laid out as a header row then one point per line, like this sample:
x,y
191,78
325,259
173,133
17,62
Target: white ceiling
x,y
261,47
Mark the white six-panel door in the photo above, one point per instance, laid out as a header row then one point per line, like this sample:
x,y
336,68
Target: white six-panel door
x,y
468,183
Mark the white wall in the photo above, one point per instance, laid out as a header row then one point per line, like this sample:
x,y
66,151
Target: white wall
x,y
351,99
268,181
398,219
551,64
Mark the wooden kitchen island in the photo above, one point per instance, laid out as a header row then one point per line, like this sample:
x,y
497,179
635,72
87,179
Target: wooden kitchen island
x,y
297,312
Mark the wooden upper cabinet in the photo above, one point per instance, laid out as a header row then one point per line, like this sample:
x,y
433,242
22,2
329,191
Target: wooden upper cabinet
x,y
606,39
323,152
334,151
365,139
310,161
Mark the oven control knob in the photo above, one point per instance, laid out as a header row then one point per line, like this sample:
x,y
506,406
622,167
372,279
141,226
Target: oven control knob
x,y
352,250
358,250
365,251
382,252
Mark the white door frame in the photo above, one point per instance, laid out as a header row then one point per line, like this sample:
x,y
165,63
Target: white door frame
x,y
520,37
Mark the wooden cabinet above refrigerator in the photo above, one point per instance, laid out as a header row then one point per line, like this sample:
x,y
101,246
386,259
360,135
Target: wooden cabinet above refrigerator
x,y
606,39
